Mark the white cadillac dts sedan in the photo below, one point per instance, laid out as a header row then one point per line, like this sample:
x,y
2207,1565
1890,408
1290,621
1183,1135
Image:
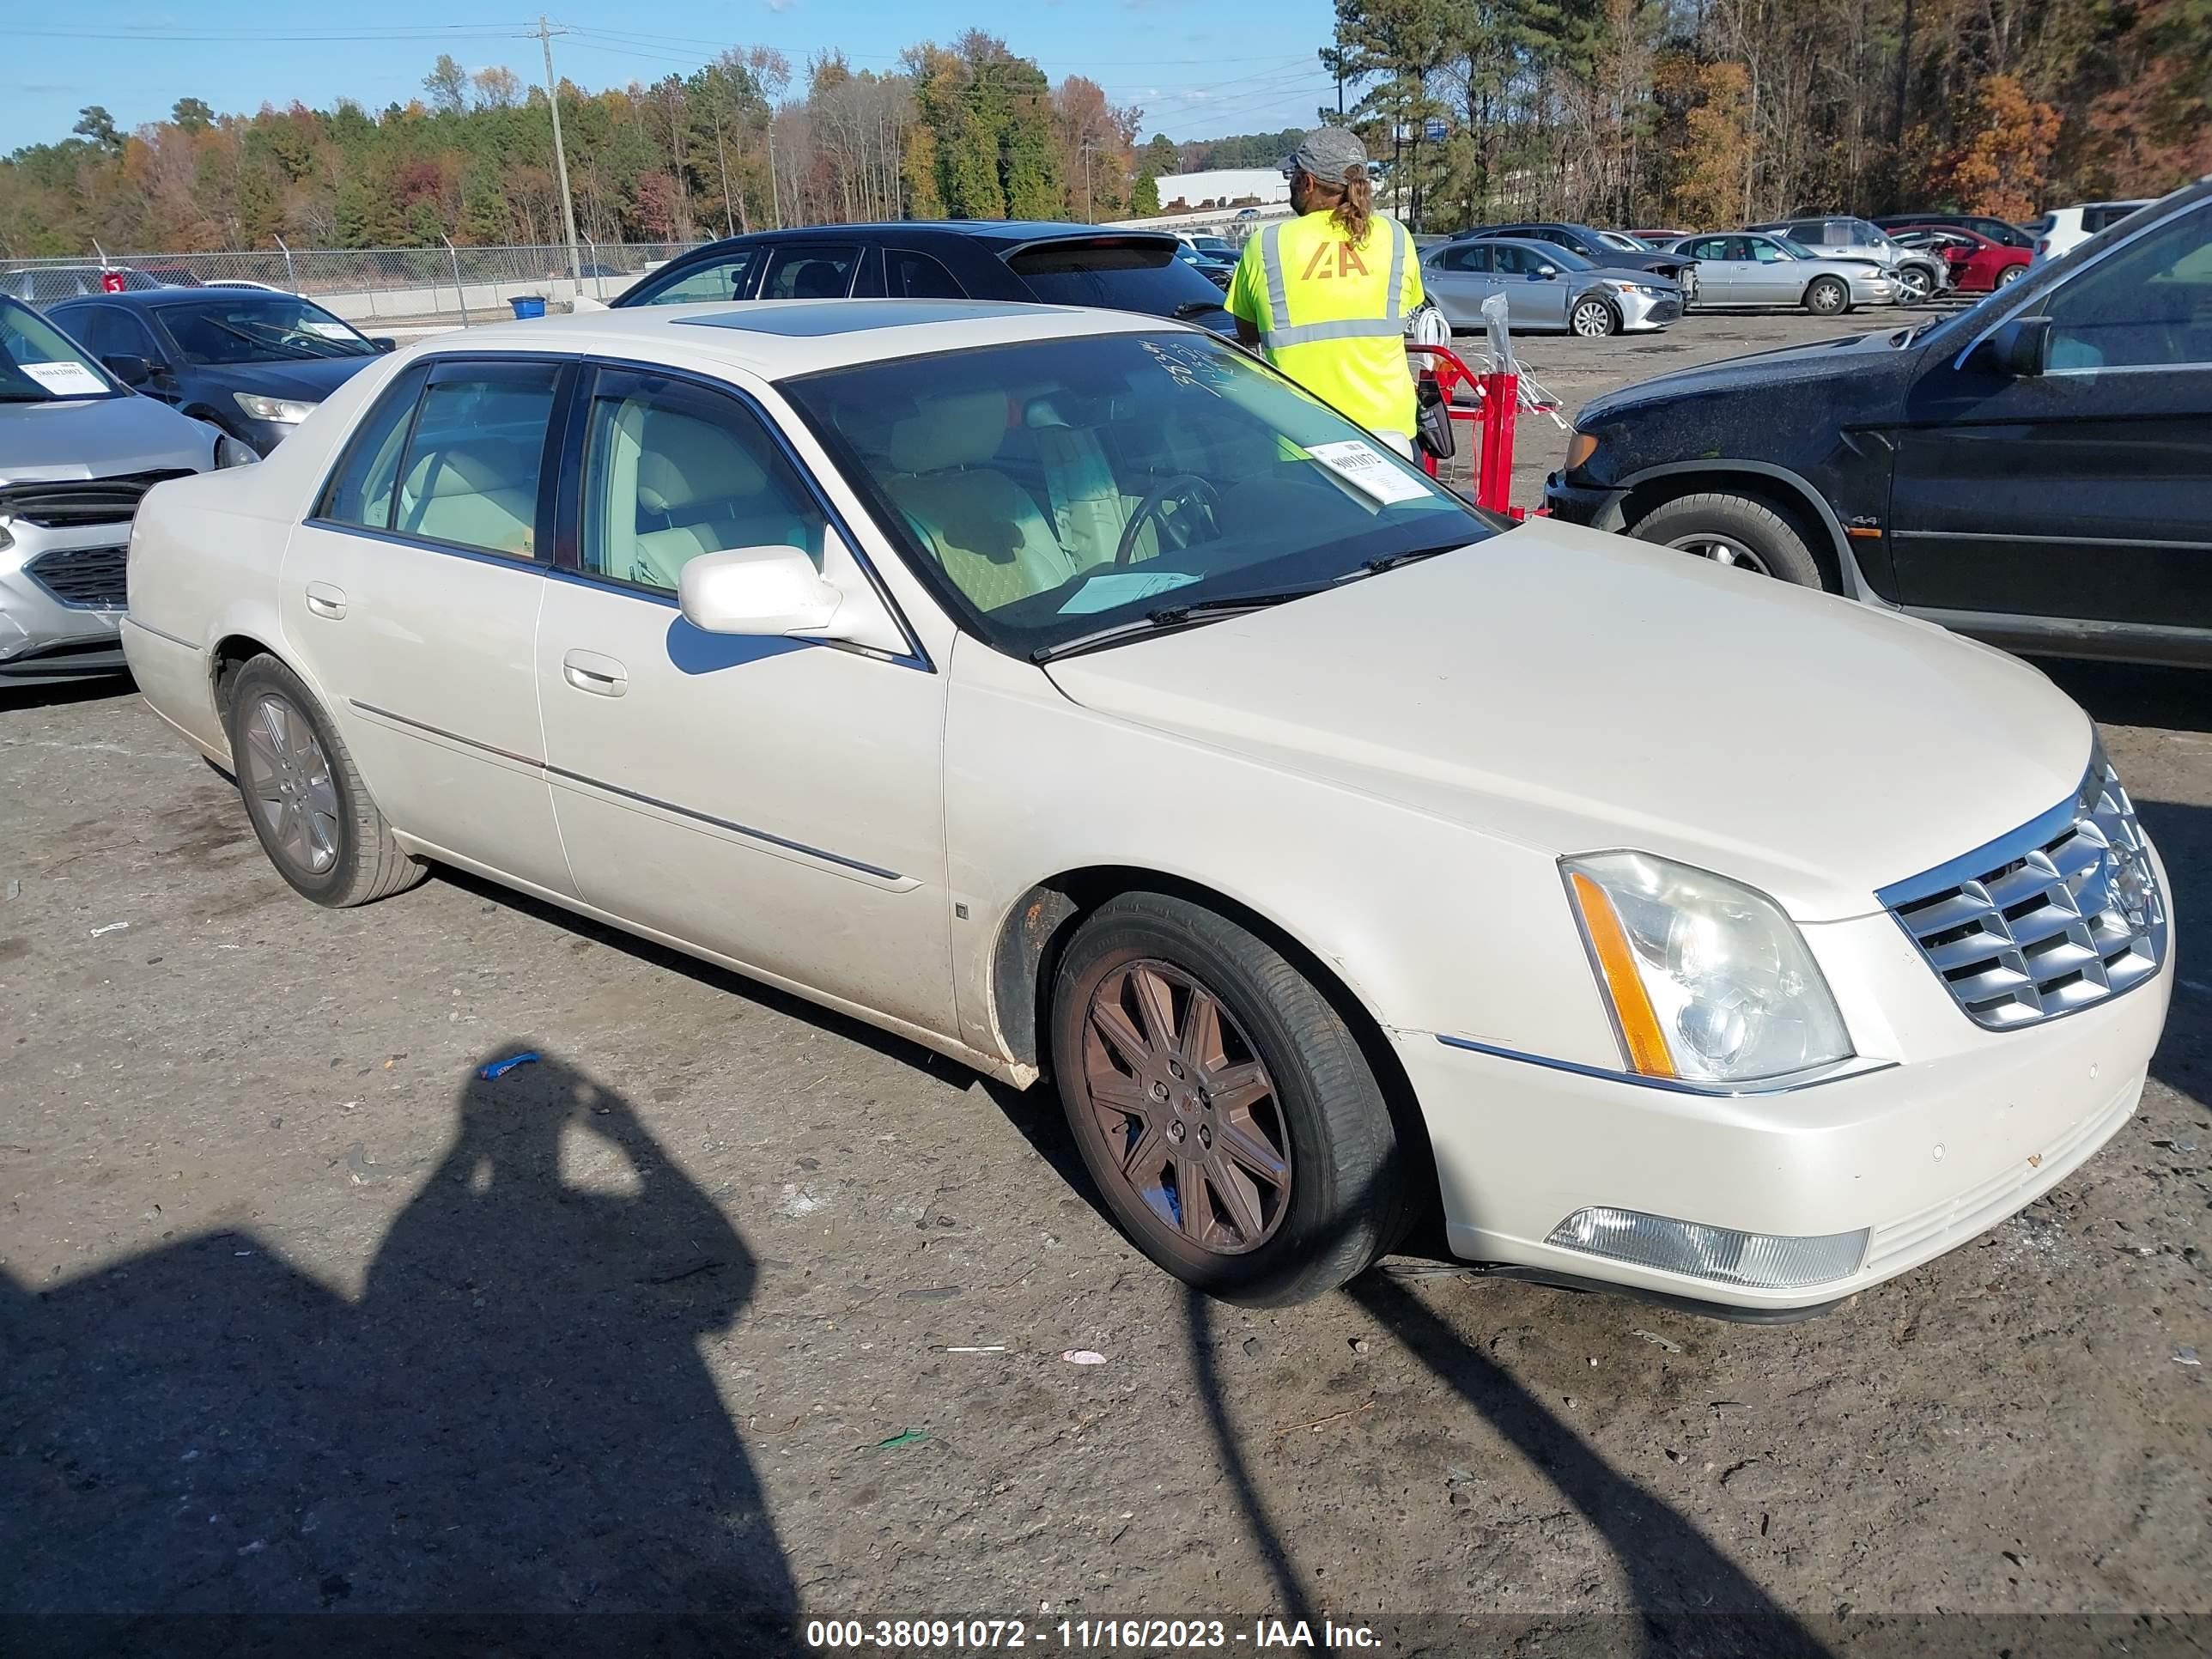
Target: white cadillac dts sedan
x,y
1069,693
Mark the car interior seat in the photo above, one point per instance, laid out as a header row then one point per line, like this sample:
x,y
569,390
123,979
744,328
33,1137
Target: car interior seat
x,y
677,486
984,529
818,279
478,493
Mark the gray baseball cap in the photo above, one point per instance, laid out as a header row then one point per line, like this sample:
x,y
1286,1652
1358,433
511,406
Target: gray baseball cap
x,y
1327,152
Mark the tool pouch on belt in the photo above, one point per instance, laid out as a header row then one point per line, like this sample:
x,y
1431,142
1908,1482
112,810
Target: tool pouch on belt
x,y
1435,435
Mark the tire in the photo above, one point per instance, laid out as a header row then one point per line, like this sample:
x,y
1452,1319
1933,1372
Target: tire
x,y
1592,319
1827,296
1733,530
1915,285
1323,1113
304,797
2010,274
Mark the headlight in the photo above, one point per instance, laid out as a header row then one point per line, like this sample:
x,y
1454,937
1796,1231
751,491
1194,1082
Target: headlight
x,y
283,411
1634,288
1709,983
1580,448
229,451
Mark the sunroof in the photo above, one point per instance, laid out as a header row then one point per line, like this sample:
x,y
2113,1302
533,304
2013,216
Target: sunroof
x,y
854,316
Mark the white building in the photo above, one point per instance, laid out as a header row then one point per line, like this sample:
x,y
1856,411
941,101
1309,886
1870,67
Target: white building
x,y
1224,186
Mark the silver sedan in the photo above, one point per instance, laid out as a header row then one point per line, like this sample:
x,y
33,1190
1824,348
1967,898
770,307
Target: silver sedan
x,y
1545,287
1747,268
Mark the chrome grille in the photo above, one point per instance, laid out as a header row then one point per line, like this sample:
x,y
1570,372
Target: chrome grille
x,y
2063,912
90,577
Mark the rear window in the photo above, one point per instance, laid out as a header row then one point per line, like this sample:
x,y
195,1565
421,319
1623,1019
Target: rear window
x,y
2110,213
1120,276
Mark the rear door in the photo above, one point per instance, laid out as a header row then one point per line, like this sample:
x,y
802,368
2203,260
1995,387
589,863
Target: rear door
x,y
1718,272
411,598
1459,282
2081,492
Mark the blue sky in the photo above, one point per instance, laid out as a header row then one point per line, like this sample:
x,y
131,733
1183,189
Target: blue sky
x,y
1198,68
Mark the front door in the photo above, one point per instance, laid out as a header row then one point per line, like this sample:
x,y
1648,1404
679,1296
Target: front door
x,y
410,599
2080,492
1537,300
776,801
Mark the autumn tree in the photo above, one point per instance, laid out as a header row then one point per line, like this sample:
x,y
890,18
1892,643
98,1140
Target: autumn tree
x,y
2000,170
447,83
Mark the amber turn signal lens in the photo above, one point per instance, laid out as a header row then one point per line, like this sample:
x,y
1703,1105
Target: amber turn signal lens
x,y
1648,1055
1580,448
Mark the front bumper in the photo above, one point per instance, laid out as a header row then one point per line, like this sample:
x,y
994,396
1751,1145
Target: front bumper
x,y
1594,505
1874,291
45,638
1923,1155
1643,311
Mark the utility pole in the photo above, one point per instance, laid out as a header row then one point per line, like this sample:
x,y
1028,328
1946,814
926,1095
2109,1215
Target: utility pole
x,y
774,183
545,32
1086,151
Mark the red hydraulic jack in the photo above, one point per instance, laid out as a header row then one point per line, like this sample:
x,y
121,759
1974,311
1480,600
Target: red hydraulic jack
x,y
1498,396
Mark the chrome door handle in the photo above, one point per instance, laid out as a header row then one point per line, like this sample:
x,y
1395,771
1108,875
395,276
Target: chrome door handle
x,y
587,670
327,601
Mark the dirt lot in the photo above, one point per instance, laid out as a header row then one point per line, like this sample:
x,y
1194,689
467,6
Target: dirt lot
x,y
297,1315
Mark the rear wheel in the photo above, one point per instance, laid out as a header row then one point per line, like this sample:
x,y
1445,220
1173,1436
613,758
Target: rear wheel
x,y
1734,531
1226,1111
307,803
1593,319
1827,296
2010,274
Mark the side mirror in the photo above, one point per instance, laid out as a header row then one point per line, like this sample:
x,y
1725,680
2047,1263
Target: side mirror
x,y
130,369
2019,348
763,592
1546,273
384,343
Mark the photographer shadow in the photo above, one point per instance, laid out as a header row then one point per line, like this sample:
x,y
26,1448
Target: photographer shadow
x,y
513,1427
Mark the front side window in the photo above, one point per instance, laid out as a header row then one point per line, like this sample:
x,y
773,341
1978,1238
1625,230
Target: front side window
x,y
470,476
1767,252
720,278
2146,304
360,492
810,273
1050,489
672,472
257,328
40,364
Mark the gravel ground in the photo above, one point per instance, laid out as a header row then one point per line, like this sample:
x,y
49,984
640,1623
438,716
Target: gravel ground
x,y
730,1307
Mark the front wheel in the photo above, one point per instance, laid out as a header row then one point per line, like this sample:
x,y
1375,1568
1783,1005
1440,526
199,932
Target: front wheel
x,y
1225,1110
1593,319
1914,285
307,803
1827,296
1734,531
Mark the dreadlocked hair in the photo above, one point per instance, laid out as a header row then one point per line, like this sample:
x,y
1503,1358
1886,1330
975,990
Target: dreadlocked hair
x,y
1354,212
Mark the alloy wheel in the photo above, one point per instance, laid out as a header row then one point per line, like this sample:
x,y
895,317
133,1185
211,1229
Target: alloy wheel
x,y
1722,549
2010,274
1592,320
1187,1109
1912,284
288,783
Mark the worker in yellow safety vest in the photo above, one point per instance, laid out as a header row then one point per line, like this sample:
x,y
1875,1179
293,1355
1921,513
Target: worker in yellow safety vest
x,y
1325,296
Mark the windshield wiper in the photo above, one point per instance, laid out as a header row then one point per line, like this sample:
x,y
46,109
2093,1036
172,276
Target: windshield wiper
x,y
1192,307
1172,615
1392,561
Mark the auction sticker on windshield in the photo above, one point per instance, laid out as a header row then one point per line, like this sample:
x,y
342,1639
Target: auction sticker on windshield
x,y
1103,593
1366,470
66,380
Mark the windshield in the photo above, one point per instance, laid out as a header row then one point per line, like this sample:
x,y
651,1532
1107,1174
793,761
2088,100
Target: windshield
x,y
258,328
1144,276
39,364
1053,489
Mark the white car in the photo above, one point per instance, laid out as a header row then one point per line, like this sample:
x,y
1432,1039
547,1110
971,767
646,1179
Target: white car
x,y
1065,691
2063,230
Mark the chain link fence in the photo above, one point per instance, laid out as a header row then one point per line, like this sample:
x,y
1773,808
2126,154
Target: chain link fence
x,y
439,287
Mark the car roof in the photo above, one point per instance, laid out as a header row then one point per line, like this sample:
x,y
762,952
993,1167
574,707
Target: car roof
x,y
982,230
780,339
135,298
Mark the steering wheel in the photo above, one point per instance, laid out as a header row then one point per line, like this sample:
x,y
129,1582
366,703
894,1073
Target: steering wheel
x,y
1178,487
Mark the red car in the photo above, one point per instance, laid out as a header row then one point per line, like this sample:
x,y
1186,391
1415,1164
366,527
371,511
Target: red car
x,y
1977,262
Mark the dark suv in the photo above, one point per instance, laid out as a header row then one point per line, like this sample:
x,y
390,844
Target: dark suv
x,y
1595,247
2031,471
960,259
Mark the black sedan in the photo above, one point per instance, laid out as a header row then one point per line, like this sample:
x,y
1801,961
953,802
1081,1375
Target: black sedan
x,y
956,259
249,361
2031,471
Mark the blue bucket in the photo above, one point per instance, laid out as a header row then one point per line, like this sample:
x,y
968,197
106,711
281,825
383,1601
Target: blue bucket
x,y
528,305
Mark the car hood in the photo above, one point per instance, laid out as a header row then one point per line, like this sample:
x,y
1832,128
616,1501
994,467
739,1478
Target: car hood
x,y
308,381
97,438
1793,367
1574,691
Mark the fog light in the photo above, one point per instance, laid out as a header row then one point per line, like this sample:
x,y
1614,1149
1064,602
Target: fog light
x,y
1758,1262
